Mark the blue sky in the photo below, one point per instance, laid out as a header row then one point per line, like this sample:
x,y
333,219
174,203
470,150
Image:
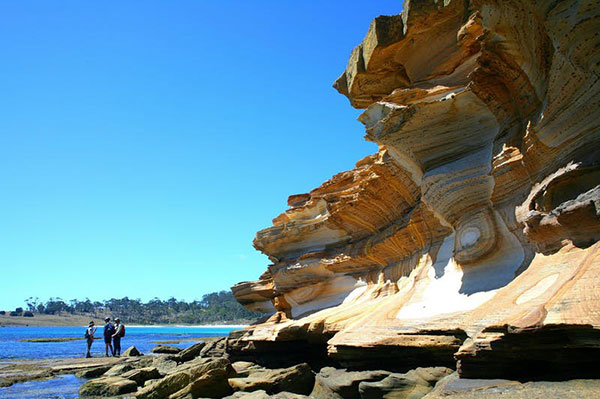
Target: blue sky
x,y
143,144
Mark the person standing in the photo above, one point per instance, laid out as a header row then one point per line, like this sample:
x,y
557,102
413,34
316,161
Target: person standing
x,y
89,336
119,329
109,330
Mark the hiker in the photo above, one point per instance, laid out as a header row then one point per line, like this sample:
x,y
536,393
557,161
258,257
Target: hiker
x,y
119,332
89,336
109,330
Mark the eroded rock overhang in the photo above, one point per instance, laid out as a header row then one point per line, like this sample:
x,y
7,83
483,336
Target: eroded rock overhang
x,y
472,233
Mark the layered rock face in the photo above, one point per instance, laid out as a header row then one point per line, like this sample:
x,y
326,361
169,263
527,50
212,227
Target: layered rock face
x,y
470,238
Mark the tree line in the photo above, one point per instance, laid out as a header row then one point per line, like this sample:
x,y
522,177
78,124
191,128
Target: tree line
x,y
216,307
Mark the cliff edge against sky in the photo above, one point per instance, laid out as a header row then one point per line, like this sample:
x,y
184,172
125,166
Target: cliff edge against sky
x,y
470,239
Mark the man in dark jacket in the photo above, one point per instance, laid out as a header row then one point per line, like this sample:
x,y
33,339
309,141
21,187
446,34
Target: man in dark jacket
x,y
117,337
109,330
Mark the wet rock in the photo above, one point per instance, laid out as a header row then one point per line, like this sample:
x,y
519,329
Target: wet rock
x,y
331,383
165,349
107,386
296,379
132,351
92,372
411,385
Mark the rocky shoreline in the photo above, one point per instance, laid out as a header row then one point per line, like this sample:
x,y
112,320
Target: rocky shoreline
x,y
208,370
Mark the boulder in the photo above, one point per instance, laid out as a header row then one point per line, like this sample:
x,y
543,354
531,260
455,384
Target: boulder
x,y
140,376
92,372
331,383
209,384
164,387
297,379
164,364
192,351
203,365
202,377
412,385
118,369
107,386
165,349
132,351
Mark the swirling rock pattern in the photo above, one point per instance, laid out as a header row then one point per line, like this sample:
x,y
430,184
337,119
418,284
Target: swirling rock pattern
x,y
472,234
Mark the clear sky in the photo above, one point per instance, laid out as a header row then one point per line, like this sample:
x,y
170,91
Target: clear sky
x,y
143,143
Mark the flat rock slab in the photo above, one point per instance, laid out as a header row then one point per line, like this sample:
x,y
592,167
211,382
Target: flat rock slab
x,y
260,394
28,370
453,387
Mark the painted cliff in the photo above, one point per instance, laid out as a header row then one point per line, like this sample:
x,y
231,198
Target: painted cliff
x,y
470,239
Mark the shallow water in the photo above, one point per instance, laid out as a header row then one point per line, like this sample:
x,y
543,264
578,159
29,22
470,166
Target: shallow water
x,y
67,386
142,338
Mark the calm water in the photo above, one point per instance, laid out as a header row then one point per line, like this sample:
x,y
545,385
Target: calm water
x,y
67,386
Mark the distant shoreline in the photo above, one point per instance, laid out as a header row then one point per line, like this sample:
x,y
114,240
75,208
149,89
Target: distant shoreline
x,y
43,320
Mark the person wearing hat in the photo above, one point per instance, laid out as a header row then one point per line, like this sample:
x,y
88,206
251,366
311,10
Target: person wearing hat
x,y
109,330
117,337
89,335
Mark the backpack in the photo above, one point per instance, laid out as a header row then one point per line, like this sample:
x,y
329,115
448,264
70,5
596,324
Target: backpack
x,y
87,333
122,334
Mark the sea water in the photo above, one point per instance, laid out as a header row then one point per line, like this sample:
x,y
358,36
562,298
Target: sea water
x,y
67,386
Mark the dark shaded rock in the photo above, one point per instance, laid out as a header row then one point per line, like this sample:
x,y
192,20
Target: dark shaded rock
x,y
331,383
107,386
412,385
131,352
278,354
296,379
165,349
430,349
93,372
550,353
191,352
140,376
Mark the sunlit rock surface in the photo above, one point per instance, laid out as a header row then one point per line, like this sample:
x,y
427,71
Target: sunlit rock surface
x,y
470,238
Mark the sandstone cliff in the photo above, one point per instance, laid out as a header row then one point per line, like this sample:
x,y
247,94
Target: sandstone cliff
x,y
470,238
